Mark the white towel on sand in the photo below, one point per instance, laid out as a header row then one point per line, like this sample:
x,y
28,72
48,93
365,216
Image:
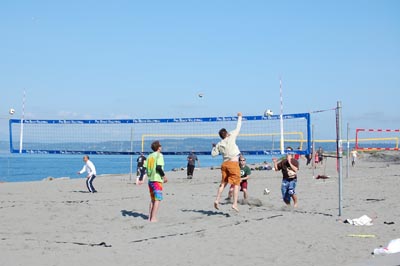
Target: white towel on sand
x,y
363,220
392,247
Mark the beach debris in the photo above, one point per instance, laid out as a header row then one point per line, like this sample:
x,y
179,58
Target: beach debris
x,y
363,220
270,217
375,199
392,247
101,244
314,213
388,223
266,191
169,235
361,235
50,178
321,177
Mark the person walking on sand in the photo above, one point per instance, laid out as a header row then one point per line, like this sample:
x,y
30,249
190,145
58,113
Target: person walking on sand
x,y
289,168
156,176
141,171
245,173
354,155
91,173
320,153
230,169
191,163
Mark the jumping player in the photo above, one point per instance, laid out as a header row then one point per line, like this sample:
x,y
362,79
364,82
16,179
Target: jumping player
x,y
230,169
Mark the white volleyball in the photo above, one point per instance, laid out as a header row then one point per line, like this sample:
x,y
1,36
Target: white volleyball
x,y
268,112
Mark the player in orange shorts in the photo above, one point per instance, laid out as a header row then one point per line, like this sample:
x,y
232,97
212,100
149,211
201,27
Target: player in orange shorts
x,y
230,169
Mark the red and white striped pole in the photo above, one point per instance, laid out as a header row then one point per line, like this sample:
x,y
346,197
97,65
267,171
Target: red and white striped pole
x,y
281,117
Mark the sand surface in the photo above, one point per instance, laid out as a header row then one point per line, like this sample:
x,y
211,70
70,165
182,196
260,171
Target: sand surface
x,y
58,223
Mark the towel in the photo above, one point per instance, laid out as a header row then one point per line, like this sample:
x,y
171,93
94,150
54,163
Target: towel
x,y
363,220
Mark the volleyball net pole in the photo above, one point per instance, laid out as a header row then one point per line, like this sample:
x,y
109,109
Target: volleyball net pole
x,y
281,118
313,151
339,149
348,151
131,157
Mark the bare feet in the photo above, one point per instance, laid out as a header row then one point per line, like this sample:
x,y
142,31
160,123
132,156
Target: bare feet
x,y
153,220
216,205
235,208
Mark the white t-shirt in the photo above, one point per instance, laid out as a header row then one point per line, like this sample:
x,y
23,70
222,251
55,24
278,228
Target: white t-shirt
x,y
227,147
89,168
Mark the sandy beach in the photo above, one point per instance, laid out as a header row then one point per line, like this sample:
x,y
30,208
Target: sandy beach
x,y
57,223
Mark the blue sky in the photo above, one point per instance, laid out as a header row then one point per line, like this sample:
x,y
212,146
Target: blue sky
x,y
147,59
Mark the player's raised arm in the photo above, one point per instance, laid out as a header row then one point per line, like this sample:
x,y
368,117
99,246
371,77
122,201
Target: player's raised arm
x,y
238,125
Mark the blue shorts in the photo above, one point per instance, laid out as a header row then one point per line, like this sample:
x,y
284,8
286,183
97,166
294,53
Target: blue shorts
x,y
288,189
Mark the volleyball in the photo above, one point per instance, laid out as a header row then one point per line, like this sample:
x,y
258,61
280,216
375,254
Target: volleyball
x,y
11,111
268,112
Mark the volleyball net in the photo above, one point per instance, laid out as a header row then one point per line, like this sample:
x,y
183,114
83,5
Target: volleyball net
x,y
377,139
258,135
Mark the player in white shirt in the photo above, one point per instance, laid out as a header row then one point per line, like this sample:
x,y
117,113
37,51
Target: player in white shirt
x,y
230,169
354,155
91,173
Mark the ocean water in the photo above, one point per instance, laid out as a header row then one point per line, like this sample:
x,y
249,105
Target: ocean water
x,y
33,167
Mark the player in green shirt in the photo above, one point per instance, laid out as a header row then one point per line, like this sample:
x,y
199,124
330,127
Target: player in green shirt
x,y
155,173
245,173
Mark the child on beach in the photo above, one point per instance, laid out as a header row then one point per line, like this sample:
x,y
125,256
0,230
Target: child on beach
x,y
289,168
230,167
91,173
155,173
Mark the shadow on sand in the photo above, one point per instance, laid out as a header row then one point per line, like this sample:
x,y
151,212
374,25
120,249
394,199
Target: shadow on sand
x,y
208,213
134,214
